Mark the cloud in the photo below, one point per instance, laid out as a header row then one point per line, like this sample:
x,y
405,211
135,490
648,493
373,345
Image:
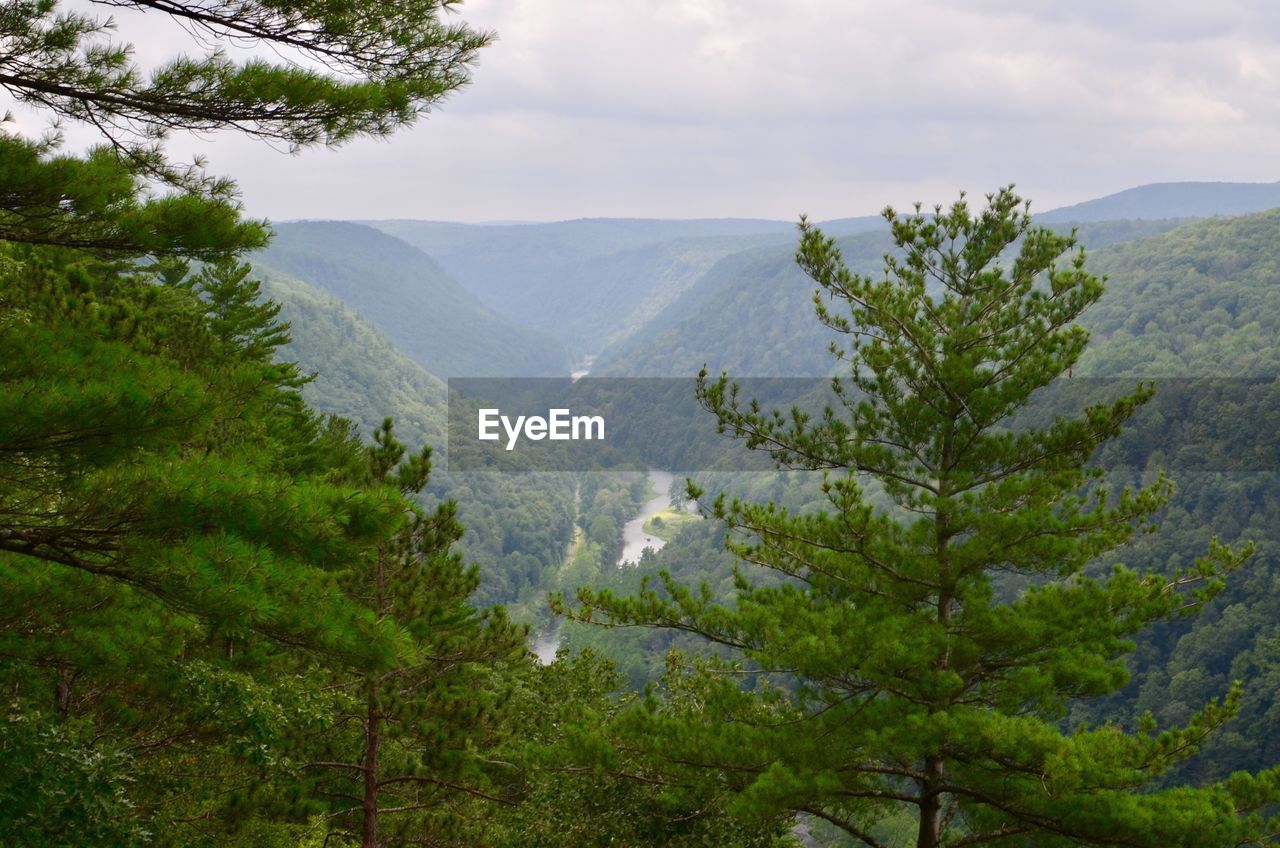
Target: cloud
x,y
681,108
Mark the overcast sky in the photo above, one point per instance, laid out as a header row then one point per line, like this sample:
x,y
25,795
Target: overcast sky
x,y
747,108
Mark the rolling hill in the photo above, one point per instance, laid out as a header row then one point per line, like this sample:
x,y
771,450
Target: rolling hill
x,y
592,281
752,312
358,372
412,300
1172,200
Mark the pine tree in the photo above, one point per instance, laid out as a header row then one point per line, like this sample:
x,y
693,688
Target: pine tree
x,y
345,69
918,658
243,323
341,71
426,718
100,202
172,527
139,451
173,517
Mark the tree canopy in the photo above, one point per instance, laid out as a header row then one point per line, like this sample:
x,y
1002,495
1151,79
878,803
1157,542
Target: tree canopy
x,y
920,656
299,74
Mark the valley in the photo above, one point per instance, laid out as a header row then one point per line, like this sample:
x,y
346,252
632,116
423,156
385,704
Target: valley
x,y
1189,294
514,426
634,536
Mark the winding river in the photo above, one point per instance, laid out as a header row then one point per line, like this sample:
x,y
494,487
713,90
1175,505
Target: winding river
x,y
634,539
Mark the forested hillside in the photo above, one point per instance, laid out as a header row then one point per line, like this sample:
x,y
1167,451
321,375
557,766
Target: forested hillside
x,y
1172,200
591,282
1200,308
752,312
358,372
1203,300
403,292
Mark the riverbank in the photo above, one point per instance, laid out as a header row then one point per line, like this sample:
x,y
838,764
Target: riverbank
x,y
667,524
635,538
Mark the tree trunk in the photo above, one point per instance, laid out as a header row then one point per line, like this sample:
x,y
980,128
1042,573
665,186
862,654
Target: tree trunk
x,y
62,691
369,833
930,833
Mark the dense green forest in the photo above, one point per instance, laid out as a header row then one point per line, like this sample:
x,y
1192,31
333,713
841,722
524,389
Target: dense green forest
x,y
752,312
440,325
591,283
247,602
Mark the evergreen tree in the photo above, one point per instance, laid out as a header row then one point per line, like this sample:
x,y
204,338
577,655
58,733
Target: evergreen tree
x,y
577,790
174,519
139,451
100,202
893,668
342,70
242,321
172,528
357,69
424,720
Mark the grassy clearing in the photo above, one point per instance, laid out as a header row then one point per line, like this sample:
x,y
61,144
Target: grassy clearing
x,y
667,523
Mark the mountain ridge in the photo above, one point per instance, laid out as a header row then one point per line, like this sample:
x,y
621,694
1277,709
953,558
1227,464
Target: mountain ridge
x,y
430,316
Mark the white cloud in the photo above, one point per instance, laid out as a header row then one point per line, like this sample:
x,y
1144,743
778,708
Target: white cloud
x,y
745,107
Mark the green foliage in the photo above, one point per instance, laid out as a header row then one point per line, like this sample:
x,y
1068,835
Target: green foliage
x,y
170,473
1198,302
239,318
97,202
412,300
519,526
885,671
60,789
343,70
171,533
412,734
579,789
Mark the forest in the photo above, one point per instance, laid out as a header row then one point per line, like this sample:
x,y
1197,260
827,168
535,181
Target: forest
x,y
1013,581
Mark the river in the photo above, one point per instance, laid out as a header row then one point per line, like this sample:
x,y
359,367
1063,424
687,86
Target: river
x,y
582,369
634,539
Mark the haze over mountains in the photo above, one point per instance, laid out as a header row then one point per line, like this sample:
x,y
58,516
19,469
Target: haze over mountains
x,y
643,297
1172,200
425,312
384,312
